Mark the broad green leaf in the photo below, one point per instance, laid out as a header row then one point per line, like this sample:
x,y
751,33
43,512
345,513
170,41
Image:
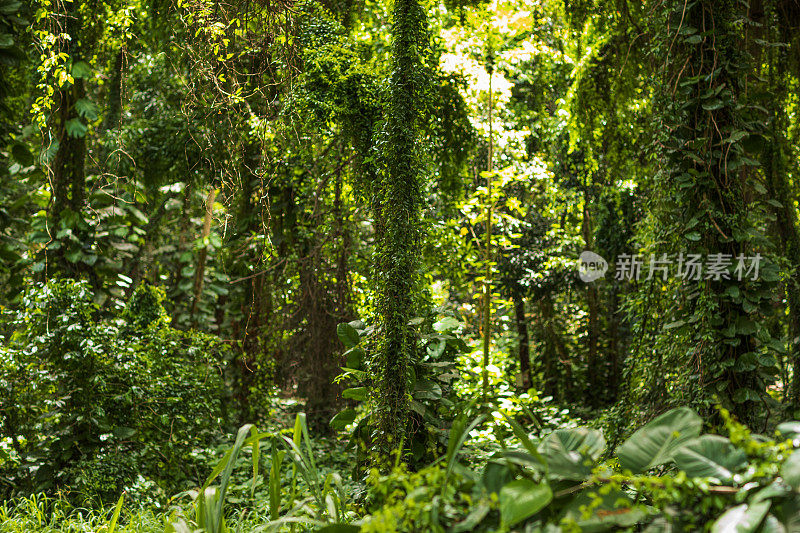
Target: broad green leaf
x,y
445,324
773,525
355,356
81,69
655,443
458,435
522,499
789,430
495,475
522,435
571,453
788,512
355,393
473,518
343,419
742,518
86,108
790,470
710,456
614,510
347,334
75,128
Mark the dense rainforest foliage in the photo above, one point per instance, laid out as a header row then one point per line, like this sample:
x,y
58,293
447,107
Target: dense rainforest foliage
x,y
401,265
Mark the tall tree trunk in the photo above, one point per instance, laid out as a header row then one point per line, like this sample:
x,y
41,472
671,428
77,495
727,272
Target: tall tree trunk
x,y
114,103
710,204
774,161
202,256
399,214
553,338
614,344
68,171
522,335
593,326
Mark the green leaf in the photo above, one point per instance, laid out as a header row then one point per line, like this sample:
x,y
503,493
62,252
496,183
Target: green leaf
x,y
445,324
693,236
355,356
347,334
473,518
81,69
356,393
789,430
122,432
112,524
614,509
742,518
22,154
773,525
790,470
343,419
522,499
655,443
745,326
75,128
710,456
744,395
86,108
456,439
571,453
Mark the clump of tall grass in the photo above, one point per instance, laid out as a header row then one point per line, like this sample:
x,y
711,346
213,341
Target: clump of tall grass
x,y
42,514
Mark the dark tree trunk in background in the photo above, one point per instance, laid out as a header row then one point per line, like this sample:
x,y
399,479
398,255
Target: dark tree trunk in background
x,y
786,224
114,105
68,170
557,361
614,344
522,335
593,326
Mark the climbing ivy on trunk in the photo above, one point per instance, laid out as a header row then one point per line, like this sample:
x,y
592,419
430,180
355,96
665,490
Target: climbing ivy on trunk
x,y
398,226
711,202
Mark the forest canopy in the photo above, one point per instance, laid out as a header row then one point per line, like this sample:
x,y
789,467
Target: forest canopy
x,y
399,265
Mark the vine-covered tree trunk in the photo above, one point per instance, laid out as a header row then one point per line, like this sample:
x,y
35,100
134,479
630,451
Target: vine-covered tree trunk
x,y
710,202
68,170
399,218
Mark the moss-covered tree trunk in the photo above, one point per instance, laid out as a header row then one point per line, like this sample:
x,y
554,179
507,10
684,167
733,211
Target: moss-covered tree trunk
x,y
398,214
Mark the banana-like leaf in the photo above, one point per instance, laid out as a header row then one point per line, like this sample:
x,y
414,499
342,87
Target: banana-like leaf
x,y
655,443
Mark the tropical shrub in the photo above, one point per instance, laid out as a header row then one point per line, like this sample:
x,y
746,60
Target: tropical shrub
x,y
666,477
95,405
432,397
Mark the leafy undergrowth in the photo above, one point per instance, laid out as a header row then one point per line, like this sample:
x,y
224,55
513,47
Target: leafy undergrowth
x,y
667,476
